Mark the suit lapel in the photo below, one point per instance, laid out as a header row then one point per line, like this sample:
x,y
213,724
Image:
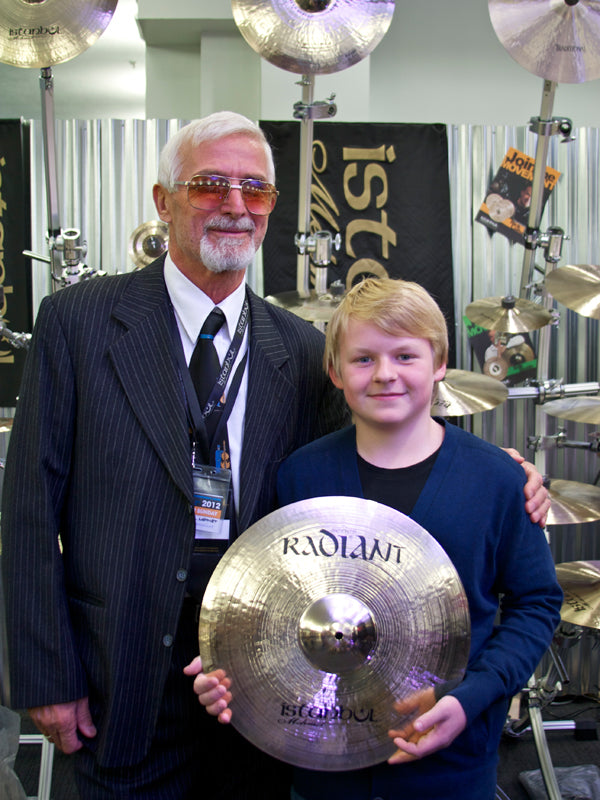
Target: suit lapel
x,y
146,366
270,396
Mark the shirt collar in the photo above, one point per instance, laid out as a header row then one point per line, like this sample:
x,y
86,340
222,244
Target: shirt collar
x,y
192,305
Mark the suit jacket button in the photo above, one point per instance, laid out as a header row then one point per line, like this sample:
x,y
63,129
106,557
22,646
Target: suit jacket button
x,y
167,640
182,575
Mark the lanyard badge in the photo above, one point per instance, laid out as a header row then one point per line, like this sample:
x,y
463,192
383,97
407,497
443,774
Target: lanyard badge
x,y
211,495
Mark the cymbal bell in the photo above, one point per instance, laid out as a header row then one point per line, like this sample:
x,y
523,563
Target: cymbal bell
x,y
580,582
148,241
313,37
462,392
315,308
572,502
578,409
508,314
558,40
576,286
49,32
323,614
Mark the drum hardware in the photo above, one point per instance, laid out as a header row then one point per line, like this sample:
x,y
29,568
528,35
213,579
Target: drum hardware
x,y
147,242
316,308
311,37
559,441
541,391
324,613
463,392
42,35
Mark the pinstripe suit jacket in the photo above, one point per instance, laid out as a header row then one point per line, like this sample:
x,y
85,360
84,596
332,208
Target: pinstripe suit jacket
x,y
100,457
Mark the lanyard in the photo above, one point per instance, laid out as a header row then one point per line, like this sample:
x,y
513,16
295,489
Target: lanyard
x,y
196,416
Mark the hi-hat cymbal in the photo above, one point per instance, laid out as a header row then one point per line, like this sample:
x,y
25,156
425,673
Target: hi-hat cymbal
x,y
463,392
580,582
313,37
578,409
576,286
324,613
558,40
48,32
508,314
572,502
315,308
6,424
148,242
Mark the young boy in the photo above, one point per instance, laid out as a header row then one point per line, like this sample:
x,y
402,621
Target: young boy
x,y
387,346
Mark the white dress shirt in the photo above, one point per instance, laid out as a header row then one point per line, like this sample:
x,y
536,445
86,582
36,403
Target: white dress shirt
x,y
192,306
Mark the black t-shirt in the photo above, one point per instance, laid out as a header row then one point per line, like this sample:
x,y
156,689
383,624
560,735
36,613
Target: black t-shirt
x,y
398,488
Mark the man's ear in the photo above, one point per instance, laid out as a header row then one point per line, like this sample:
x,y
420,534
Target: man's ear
x,y
159,193
335,378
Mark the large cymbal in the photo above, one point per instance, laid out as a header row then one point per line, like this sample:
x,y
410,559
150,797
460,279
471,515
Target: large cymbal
x,y
580,582
315,308
572,502
508,314
558,40
324,613
313,37
48,32
463,392
576,286
148,242
578,409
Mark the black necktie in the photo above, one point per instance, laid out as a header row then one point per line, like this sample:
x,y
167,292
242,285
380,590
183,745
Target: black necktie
x,y
205,366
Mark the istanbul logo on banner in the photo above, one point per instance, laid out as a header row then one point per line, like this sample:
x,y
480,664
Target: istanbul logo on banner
x,y
15,268
384,188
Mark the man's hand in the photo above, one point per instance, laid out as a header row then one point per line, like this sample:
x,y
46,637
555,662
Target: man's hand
x,y
435,726
537,502
62,722
212,689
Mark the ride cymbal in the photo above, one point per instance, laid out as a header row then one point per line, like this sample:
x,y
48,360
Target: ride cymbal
x,y
558,40
463,392
313,37
508,314
577,409
572,502
577,286
324,613
580,582
148,242
47,32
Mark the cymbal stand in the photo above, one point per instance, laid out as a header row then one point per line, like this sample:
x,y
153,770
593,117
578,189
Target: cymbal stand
x,y
66,250
320,244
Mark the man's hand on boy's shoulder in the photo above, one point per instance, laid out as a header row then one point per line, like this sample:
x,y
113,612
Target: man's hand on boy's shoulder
x,y
435,726
537,499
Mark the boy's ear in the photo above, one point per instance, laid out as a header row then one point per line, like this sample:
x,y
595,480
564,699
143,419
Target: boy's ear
x,y
335,378
440,373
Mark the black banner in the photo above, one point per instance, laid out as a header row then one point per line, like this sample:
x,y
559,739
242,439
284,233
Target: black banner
x,y
15,236
384,187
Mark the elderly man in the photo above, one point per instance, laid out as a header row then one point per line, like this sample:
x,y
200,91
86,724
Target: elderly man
x,y
133,462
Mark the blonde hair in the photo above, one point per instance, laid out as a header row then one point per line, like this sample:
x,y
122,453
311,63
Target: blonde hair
x,y
396,307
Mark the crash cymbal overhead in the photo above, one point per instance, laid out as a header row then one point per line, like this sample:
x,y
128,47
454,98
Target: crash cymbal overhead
x,y
43,33
313,37
148,241
572,502
323,614
508,314
576,286
558,40
463,392
577,409
580,582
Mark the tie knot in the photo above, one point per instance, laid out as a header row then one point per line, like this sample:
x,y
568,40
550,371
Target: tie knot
x,y
212,324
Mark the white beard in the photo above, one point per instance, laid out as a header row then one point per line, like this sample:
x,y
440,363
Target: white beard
x,y
227,256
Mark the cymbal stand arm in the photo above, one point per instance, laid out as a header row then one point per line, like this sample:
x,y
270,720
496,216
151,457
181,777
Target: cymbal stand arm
x,y
321,242
52,198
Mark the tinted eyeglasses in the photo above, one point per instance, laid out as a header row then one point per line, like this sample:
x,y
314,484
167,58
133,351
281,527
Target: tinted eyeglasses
x,y
208,192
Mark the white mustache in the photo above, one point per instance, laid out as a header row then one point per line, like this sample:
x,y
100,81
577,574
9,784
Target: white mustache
x,y
225,224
